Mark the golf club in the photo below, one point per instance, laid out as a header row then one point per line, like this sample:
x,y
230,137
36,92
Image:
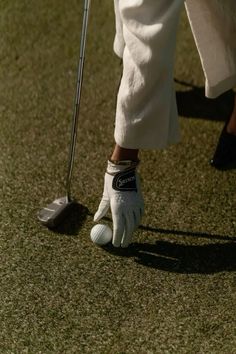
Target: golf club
x,y
54,213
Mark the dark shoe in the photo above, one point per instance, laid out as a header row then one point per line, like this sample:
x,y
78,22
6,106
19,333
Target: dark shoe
x,y
225,154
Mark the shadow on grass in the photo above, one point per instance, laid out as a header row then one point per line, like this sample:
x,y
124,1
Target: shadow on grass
x,y
180,258
183,258
193,103
205,235
73,221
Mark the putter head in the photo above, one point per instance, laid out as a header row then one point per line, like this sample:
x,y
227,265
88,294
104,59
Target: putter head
x,y
53,214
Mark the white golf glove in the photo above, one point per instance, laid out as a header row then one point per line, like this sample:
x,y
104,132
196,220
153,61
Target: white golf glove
x,y
122,194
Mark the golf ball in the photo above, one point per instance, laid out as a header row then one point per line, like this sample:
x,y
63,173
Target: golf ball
x,y
101,234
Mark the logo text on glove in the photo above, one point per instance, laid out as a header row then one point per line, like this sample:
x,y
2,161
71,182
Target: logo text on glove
x,y
125,181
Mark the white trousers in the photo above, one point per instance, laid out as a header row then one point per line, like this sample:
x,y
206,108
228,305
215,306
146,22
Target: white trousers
x,y
146,113
214,28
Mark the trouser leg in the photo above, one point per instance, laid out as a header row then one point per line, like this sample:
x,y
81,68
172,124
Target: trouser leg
x,y
214,27
146,114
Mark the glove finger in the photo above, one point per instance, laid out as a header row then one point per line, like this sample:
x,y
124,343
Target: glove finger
x,y
102,209
129,229
118,228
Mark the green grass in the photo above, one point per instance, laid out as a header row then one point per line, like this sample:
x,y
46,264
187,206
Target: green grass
x,y
173,291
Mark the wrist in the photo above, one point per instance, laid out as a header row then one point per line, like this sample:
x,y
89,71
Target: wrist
x,y
123,154
114,167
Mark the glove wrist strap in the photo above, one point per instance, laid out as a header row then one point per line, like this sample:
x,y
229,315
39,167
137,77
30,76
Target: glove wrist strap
x,y
127,163
120,166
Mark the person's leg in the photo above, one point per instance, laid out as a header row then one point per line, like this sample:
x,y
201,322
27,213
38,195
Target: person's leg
x,y
225,154
231,126
214,26
146,115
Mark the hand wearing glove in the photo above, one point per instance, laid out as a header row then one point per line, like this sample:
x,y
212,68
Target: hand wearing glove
x,y
122,194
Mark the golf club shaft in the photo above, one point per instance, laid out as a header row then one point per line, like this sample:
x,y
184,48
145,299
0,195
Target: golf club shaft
x,y
77,98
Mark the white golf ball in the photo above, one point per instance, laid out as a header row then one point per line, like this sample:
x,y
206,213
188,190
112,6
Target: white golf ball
x,y
101,234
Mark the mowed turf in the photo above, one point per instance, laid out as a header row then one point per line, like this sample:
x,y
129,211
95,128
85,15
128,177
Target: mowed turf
x,y
173,290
